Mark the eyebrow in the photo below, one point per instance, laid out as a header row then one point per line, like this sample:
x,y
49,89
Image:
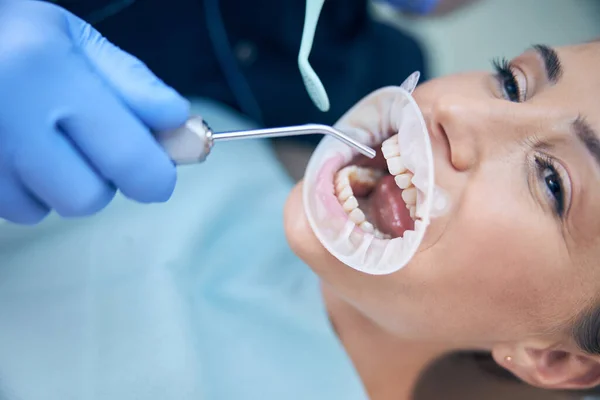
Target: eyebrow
x,y
552,64
588,136
583,130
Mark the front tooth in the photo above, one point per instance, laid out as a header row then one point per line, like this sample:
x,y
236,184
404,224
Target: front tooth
x,y
413,211
357,216
350,204
391,141
404,180
345,193
389,148
395,165
367,227
389,152
410,195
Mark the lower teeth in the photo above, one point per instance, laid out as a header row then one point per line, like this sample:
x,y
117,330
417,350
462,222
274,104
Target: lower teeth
x,y
355,182
350,182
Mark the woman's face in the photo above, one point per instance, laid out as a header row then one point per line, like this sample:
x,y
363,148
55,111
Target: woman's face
x,y
516,255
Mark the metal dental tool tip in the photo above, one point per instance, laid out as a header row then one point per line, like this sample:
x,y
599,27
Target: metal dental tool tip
x,y
192,142
308,129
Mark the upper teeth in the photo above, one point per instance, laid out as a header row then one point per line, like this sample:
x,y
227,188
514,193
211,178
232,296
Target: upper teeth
x,y
402,176
403,180
395,165
390,148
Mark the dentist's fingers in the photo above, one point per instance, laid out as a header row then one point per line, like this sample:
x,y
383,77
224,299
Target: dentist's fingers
x,y
61,177
76,115
18,206
121,148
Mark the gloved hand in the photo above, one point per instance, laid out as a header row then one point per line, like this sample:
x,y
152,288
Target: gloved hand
x,y
76,115
422,7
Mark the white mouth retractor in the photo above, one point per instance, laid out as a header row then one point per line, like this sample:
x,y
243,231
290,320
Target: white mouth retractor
x,y
337,233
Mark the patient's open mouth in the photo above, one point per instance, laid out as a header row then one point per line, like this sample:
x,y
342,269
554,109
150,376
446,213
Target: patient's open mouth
x,y
372,215
378,195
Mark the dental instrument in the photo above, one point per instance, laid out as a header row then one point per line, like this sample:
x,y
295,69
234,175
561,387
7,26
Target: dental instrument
x,y
313,84
192,142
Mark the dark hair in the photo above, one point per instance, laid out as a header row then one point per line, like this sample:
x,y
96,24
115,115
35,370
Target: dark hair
x,y
586,331
486,364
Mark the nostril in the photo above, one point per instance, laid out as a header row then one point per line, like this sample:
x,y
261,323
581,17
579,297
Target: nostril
x,y
453,128
440,133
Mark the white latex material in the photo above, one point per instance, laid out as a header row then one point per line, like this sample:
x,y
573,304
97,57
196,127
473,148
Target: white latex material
x,y
377,117
313,84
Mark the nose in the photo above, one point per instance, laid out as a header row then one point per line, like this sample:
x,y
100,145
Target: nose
x,y
460,121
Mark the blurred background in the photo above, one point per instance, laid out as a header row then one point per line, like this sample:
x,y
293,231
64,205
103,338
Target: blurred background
x,y
469,38
243,53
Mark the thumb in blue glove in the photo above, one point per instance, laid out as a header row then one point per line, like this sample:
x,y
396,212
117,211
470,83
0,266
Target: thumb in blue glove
x,y
76,115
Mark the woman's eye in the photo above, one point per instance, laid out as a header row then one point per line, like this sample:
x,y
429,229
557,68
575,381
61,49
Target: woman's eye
x,y
553,182
513,87
554,186
511,90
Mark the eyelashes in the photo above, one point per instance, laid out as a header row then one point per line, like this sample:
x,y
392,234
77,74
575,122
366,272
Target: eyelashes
x,y
507,80
550,175
546,168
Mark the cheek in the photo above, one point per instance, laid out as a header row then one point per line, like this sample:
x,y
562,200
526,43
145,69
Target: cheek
x,y
297,229
301,237
491,275
496,265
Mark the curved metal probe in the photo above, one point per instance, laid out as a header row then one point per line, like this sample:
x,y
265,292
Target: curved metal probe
x,y
308,129
192,142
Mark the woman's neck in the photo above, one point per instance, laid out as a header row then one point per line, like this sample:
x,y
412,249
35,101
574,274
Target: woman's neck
x,y
389,367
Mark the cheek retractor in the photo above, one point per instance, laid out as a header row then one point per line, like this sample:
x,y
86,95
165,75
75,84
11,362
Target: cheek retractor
x,y
381,115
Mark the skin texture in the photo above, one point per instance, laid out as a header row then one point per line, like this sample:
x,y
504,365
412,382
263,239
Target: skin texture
x,y
502,271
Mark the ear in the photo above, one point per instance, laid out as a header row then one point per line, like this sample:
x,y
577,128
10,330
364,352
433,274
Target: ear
x,y
549,366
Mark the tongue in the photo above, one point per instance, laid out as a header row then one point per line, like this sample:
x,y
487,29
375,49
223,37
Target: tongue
x,y
388,211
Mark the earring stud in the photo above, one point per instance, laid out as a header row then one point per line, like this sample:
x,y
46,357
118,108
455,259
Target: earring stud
x,y
508,358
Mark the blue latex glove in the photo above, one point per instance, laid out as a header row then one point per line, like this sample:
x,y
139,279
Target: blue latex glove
x,y
422,7
76,115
